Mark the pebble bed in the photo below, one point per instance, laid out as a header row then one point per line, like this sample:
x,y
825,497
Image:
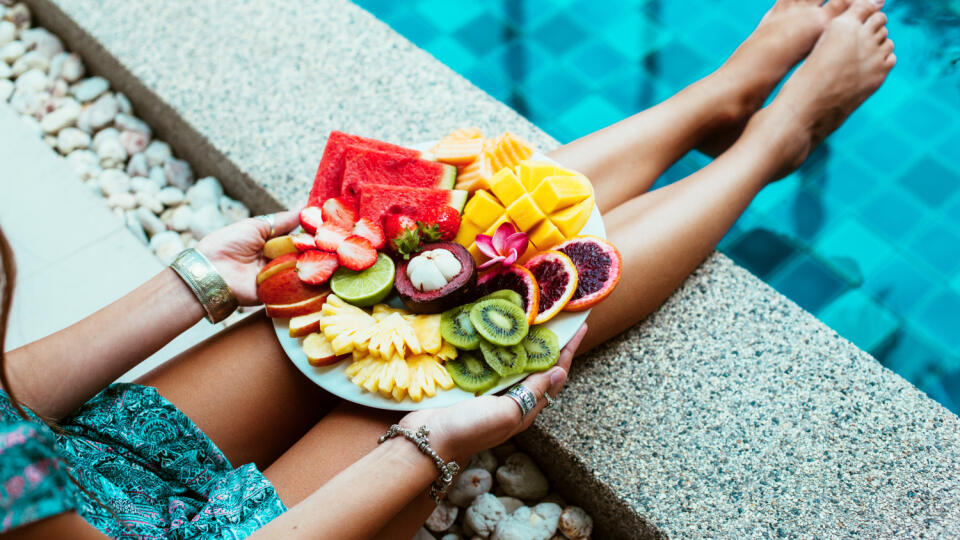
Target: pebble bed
x,y
113,151
503,495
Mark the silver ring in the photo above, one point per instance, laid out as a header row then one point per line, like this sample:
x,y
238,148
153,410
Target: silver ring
x,y
271,220
524,397
551,402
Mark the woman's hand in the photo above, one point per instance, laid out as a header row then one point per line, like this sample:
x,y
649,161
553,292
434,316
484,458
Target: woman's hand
x,y
459,431
235,251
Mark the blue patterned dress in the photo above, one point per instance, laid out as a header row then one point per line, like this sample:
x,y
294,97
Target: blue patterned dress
x,y
141,458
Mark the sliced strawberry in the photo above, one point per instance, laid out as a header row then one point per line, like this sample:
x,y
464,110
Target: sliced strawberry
x,y
315,267
311,217
330,236
356,253
304,241
370,230
340,212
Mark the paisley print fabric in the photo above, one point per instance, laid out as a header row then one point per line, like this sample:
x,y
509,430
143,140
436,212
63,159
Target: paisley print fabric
x,y
151,471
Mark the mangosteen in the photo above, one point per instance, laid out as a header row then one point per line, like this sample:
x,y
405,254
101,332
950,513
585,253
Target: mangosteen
x,y
442,275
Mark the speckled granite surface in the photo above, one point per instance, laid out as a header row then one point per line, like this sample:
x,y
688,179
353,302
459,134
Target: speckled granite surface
x,y
728,413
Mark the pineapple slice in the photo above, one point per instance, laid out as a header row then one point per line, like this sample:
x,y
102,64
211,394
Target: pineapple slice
x,y
447,352
393,335
382,311
347,327
427,328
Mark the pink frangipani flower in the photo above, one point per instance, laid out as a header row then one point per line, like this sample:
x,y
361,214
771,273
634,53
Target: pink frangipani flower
x,y
504,248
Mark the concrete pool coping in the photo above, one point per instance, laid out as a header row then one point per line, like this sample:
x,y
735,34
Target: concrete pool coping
x,y
729,412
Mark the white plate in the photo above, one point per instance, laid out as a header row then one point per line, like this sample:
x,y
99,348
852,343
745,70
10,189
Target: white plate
x,y
334,380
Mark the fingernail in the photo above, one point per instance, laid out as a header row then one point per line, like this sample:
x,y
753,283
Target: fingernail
x,y
557,376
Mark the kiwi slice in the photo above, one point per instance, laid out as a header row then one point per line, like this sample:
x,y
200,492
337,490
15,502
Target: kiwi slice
x,y
504,360
542,348
499,321
455,327
472,374
505,294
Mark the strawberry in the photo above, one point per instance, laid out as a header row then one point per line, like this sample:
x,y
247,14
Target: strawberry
x,y
402,234
370,230
311,217
315,267
329,236
337,211
304,241
356,253
440,224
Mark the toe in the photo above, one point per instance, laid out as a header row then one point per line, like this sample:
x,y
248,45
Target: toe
x,y
890,61
882,34
887,48
876,21
862,9
836,7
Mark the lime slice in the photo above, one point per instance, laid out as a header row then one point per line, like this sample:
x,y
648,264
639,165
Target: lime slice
x,y
366,287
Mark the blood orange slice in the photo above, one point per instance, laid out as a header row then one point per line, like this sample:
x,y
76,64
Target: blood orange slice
x,y
556,276
598,266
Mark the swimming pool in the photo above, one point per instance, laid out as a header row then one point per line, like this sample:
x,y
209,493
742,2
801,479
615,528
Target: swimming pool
x,y
866,235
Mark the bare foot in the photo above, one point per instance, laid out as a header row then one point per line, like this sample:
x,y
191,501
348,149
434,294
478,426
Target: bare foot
x,y
849,63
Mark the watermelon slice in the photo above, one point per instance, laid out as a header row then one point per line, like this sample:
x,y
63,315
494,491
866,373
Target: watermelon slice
x,y
374,167
326,184
377,200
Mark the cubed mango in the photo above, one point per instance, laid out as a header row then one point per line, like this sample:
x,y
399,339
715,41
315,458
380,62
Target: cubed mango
x,y
524,212
546,235
468,231
506,186
558,192
532,172
571,220
483,209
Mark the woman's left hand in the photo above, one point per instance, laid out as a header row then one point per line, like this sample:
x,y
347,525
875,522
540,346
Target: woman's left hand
x,y
236,251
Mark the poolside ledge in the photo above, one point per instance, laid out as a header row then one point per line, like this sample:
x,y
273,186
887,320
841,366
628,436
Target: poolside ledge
x,y
730,412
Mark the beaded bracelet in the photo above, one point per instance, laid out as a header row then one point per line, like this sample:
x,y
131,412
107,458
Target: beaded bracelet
x,y
213,293
447,470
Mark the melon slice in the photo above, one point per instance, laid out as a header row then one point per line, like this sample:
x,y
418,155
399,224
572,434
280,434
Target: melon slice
x,y
377,200
374,167
327,182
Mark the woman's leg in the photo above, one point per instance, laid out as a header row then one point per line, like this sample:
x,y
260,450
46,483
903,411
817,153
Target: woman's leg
x,y
663,235
625,159
243,392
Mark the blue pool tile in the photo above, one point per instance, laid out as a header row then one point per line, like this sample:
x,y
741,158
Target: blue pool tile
x,y
937,245
761,251
950,148
805,215
413,27
844,180
450,52
941,318
713,36
900,283
635,36
676,63
631,89
448,15
883,150
555,89
775,193
935,390
860,319
483,33
597,60
923,118
910,355
809,283
492,80
951,385
600,14
849,239
559,34
931,180
520,60
893,212
591,114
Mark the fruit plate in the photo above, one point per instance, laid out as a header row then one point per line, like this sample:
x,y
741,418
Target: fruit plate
x,y
334,379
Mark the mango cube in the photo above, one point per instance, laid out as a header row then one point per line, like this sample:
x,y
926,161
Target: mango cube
x,y
546,235
524,212
506,186
496,224
467,232
532,172
571,220
559,192
483,209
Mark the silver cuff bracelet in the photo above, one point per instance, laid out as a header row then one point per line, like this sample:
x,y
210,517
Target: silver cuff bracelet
x,y
448,471
210,289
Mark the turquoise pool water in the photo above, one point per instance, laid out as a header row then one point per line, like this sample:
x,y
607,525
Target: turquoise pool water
x,y
866,235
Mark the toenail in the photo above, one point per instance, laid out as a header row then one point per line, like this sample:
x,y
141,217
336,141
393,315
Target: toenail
x,y
878,2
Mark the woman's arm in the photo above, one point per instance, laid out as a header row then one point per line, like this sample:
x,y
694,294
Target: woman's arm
x,y
56,374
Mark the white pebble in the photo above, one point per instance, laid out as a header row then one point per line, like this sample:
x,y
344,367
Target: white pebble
x,y
65,115
124,102
8,32
442,516
50,141
85,164
5,71
157,176
575,523
137,166
171,196
104,135
112,153
42,41
233,210
72,69
6,88
114,181
30,60
34,80
151,223
166,245
206,220
510,503
484,513
181,218
142,185
207,191
150,201
178,173
102,111
539,523
451,536
59,88
158,152
520,477
70,139
126,122
469,484
483,460
133,224
19,15
90,89
127,201
134,142
32,124
10,52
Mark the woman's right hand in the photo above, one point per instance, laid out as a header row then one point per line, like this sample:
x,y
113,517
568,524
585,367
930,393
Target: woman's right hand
x,y
459,431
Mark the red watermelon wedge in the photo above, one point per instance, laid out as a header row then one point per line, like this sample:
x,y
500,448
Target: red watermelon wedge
x,y
373,167
327,182
377,200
